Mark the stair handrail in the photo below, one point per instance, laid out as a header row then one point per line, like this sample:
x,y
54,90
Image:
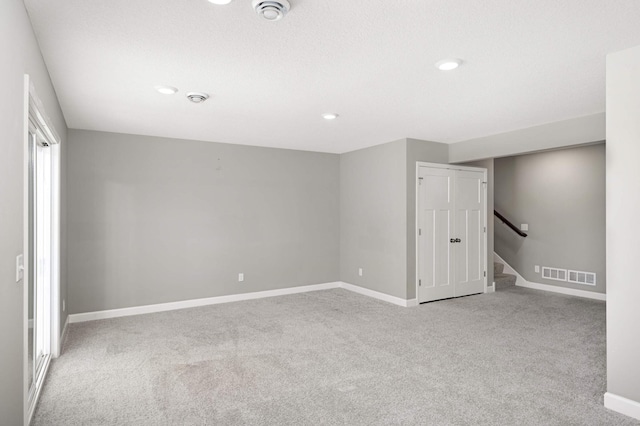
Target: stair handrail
x,y
509,224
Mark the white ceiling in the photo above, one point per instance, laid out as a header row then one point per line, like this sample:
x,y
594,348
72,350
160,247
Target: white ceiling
x,y
371,61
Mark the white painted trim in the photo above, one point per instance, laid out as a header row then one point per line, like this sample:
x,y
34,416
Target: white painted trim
x,y
521,282
40,114
416,229
380,296
25,250
56,248
31,405
194,303
449,166
622,405
63,336
485,212
564,290
33,107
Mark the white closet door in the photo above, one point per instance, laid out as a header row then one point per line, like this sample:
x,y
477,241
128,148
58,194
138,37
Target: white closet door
x,y
435,216
469,230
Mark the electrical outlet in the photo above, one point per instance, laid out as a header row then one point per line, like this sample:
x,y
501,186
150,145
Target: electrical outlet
x,y
537,269
240,277
524,227
360,271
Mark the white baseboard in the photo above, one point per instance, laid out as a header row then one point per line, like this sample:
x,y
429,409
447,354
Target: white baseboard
x,y
563,290
381,296
622,405
194,303
521,282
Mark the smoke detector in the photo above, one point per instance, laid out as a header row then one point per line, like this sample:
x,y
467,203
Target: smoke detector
x,y
271,10
197,97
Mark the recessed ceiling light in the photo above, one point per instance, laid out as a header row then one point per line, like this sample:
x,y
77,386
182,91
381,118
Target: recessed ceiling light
x,y
221,2
166,90
330,116
448,64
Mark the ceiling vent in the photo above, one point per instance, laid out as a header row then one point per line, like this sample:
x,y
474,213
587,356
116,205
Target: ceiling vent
x,y
271,10
197,97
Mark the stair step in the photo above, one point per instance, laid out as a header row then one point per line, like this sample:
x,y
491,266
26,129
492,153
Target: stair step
x,y
498,268
504,280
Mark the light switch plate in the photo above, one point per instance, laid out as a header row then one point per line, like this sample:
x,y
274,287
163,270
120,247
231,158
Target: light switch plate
x,y
524,227
19,268
241,277
537,269
360,271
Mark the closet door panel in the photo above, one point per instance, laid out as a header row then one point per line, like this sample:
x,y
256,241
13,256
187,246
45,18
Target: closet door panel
x,y
469,229
435,220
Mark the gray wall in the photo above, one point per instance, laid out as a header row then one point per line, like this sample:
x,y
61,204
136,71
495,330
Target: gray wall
x,y
561,195
373,218
20,55
489,165
623,199
378,213
418,150
155,220
575,131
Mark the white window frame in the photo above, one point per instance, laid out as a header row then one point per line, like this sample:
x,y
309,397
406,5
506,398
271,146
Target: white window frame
x,y
34,110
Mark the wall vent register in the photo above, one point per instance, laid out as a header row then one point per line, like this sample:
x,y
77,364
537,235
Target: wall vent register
x,y
554,273
577,277
581,277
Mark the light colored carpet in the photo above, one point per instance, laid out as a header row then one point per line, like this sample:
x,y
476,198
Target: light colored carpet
x,y
514,357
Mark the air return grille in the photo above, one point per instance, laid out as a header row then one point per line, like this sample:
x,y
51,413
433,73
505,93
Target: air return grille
x,y
554,273
580,277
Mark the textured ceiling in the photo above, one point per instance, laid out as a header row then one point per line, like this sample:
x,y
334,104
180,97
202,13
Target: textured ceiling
x,y
371,61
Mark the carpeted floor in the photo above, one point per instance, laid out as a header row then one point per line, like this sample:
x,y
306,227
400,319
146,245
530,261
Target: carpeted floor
x,y
514,357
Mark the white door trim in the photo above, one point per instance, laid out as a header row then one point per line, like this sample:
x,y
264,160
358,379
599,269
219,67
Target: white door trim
x,y
417,214
31,102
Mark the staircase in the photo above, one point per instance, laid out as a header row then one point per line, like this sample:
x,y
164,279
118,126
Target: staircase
x,y
501,279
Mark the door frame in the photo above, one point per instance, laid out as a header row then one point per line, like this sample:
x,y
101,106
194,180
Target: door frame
x,y
33,109
417,221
